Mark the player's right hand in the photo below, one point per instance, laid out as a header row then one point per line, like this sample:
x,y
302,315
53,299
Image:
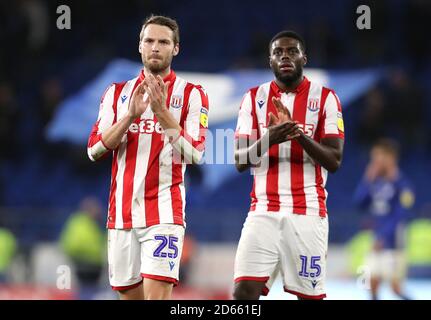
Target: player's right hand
x,y
283,132
139,102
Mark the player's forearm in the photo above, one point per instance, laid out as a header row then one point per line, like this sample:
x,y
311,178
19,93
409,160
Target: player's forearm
x,y
190,149
99,144
328,157
168,123
249,154
112,137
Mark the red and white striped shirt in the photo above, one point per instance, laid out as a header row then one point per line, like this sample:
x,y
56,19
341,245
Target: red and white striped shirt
x,y
147,183
287,178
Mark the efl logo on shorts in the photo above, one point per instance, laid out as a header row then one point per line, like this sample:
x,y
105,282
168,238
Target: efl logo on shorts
x,y
313,105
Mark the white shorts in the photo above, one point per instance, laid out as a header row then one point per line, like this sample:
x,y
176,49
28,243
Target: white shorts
x,y
294,245
152,252
387,264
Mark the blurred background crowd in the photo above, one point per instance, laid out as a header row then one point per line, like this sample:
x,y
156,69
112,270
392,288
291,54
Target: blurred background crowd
x,y
53,200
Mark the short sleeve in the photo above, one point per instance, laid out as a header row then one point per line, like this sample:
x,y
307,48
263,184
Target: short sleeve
x,y
191,141
105,119
246,126
333,125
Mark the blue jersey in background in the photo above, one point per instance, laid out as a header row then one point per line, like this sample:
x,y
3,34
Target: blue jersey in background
x,y
389,203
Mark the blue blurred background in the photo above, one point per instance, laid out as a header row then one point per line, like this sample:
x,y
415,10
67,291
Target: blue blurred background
x,y
51,81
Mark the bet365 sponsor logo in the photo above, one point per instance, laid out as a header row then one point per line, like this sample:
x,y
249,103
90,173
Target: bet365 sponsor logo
x,y
147,126
308,129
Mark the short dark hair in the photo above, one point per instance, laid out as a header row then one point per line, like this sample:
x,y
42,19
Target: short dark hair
x,y
288,34
388,145
162,21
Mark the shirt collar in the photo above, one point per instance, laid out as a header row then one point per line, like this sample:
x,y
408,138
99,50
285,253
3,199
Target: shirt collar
x,y
170,77
298,89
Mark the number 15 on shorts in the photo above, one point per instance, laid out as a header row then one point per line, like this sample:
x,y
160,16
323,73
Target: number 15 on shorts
x,y
311,270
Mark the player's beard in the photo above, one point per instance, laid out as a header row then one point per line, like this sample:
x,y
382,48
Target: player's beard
x,y
288,79
159,66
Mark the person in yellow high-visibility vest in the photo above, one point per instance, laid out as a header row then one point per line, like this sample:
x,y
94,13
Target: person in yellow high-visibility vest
x,y
83,241
8,246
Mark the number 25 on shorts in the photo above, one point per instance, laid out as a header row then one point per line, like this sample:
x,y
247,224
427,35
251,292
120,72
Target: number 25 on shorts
x,y
166,240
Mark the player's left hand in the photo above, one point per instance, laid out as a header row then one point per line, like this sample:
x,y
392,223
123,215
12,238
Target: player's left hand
x,y
283,117
157,92
283,114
